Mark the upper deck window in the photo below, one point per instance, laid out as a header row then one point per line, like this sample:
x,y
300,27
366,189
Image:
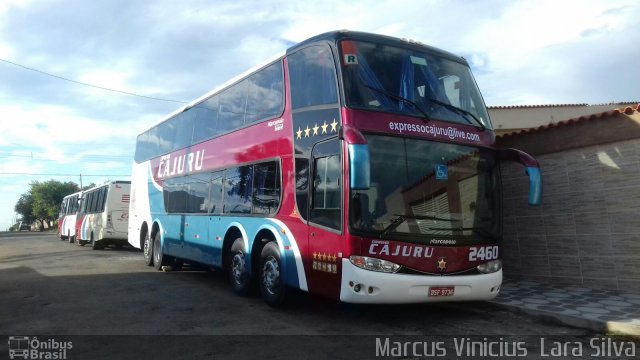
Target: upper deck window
x,y
256,98
396,79
313,79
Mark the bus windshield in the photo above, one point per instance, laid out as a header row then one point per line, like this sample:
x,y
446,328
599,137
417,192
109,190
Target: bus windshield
x,y
423,190
418,83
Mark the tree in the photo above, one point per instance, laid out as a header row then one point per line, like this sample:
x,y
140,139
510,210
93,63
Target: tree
x,y
42,201
24,207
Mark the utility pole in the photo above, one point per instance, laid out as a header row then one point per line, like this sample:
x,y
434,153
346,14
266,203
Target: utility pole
x,y
80,181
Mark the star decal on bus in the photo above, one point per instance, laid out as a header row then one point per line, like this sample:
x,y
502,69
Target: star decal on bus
x,y
442,264
316,129
324,262
324,127
334,126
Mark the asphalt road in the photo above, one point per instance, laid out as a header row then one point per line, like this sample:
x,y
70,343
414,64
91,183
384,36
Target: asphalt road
x,y
55,289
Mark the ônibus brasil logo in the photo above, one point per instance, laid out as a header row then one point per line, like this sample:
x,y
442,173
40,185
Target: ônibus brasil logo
x,y
26,347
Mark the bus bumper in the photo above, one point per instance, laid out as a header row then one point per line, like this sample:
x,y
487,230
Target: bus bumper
x,y
384,288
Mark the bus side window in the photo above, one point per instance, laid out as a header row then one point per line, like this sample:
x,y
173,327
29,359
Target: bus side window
x,y
99,198
265,94
105,193
215,194
237,190
91,206
313,79
205,117
326,206
266,188
198,193
175,195
233,102
302,186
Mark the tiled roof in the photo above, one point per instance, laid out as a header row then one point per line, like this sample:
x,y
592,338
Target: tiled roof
x,y
556,105
629,110
533,106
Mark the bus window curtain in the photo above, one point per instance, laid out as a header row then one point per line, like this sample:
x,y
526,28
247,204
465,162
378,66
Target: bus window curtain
x,y
408,84
369,78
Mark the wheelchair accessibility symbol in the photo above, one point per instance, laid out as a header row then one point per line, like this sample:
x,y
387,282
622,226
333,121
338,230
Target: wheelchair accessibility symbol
x,y
442,172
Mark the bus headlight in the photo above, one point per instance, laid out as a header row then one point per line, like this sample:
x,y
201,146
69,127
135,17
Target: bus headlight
x,y
490,267
374,264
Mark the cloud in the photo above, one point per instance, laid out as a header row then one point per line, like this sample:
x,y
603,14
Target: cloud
x,y
525,52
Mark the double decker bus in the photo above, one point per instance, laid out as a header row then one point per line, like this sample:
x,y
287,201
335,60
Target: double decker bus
x,y
353,166
67,216
103,215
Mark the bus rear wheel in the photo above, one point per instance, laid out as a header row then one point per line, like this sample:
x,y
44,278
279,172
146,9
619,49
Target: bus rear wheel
x,y
159,259
94,244
237,268
272,286
147,250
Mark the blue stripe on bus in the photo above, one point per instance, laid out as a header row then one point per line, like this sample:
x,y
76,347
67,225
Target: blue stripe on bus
x,y
207,249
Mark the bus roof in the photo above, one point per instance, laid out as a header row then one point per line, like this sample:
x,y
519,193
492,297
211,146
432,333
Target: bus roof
x,y
332,36
335,36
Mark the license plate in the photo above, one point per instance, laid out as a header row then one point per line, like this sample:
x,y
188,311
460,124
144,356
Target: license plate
x,y
441,291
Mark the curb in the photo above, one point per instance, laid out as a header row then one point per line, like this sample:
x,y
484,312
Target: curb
x,y
606,327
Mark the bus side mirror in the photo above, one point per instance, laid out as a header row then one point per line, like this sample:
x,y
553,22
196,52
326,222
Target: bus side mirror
x,y
532,169
535,185
359,167
359,162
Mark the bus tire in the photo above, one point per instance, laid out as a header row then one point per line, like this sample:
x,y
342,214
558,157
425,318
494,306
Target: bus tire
x,y
147,250
272,286
238,275
159,259
94,244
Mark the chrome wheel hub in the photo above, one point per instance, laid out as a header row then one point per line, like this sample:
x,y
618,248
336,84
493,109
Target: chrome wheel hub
x,y
146,247
271,275
237,267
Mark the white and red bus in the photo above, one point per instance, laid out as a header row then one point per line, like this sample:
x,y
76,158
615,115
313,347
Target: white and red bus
x,y
354,166
103,216
67,216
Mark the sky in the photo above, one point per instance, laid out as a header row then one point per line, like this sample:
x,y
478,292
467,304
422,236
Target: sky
x,y
521,53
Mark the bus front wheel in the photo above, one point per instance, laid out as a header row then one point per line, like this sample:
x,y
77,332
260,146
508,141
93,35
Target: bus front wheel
x,y
237,263
272,285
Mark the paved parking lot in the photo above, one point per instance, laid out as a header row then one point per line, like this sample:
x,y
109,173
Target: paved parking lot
x,y
53,288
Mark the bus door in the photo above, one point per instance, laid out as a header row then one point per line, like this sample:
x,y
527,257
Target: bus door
x,y
215,230
175,200
325,218
196,222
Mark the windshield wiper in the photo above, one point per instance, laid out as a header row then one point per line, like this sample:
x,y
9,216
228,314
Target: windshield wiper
x,y
400,218
399,98
460,111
